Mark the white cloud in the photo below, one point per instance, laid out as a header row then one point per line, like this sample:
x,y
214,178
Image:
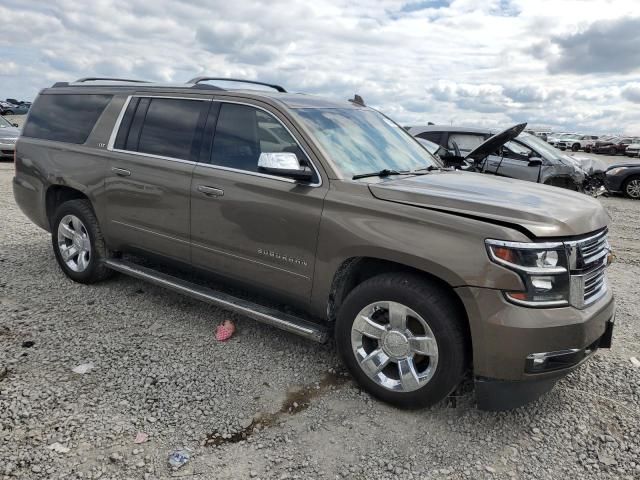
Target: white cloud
x,y
464,61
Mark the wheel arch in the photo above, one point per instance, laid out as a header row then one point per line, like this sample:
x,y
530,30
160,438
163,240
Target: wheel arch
x,y
355,270
56,195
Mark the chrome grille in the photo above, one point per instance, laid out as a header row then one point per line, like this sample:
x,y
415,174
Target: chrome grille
x,y
589,259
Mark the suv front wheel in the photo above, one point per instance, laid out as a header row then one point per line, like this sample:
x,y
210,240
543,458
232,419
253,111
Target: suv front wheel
x,y
402,338
78,243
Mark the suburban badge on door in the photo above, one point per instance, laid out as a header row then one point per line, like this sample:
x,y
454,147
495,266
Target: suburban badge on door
x,y
279,256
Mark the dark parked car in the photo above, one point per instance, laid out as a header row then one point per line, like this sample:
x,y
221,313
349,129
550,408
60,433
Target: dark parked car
x,y
624,178
523,156
613,146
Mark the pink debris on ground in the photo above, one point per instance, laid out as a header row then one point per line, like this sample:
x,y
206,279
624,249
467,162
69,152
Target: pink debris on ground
x,y
141,437
225,331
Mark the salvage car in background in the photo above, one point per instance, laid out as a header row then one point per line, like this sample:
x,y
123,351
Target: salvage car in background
x,y
624,178
575,142
12,109
520,155
613,146
9,134
633,150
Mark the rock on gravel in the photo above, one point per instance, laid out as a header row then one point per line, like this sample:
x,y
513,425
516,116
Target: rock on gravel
x,y
160,371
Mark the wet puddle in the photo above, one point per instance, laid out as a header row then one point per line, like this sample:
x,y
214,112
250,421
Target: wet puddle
x,y
296,401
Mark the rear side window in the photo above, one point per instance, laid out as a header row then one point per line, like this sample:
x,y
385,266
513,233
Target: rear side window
x,y
465,141
65,118
167,127
244,132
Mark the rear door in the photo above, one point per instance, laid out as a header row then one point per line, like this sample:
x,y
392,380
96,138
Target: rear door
x,y
147,189
254,227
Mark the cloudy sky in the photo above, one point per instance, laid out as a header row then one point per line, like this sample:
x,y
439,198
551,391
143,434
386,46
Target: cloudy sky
x,y
571,65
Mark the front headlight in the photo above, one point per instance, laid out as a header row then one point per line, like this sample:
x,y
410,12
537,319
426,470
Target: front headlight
x,y
543,268
615,171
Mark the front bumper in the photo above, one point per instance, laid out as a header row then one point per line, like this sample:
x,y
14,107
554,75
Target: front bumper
x,y
614,183
506,337
7,150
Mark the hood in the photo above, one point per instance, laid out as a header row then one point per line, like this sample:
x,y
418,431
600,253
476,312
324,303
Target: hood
x,y
589,165
492,144
630,164
542,210
9,132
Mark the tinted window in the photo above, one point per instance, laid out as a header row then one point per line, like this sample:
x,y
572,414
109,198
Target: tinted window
x,y
169,128
243,133
431,136
65,118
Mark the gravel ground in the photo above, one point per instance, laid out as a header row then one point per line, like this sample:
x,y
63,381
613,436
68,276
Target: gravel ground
x,y
267,404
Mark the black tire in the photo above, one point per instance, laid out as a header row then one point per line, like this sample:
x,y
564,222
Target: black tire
x,y
8,112
575,147
95,270
613,151
626,187
443,316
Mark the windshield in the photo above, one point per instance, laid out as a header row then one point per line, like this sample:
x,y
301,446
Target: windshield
x,y
543,148
4,123
363,141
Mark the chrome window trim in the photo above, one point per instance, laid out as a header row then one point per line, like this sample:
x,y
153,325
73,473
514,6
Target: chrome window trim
x,y
152,155
258,174
116,127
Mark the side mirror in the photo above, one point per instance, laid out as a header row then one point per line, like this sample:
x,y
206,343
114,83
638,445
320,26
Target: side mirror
x,y
535,162
284,164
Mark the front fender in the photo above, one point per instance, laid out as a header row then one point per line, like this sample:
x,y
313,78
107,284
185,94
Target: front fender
x,y
444,245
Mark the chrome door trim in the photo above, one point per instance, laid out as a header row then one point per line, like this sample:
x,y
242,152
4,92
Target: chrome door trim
x,y
240,257
146,230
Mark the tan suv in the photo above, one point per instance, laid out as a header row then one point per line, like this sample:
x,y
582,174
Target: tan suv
x,y
422,273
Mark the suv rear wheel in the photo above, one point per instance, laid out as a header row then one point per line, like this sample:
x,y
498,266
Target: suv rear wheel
x,y
403,340
78,243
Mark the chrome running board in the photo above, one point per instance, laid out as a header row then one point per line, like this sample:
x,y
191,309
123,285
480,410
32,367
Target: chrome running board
x,y
263,314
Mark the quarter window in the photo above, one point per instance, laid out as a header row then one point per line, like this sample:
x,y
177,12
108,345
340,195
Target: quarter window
x,y
65,117
244,132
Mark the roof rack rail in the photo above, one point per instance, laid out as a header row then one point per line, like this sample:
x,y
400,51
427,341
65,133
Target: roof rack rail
x,y
197,80
111,79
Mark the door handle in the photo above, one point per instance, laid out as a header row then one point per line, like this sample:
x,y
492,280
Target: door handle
x,y
121,172
210,191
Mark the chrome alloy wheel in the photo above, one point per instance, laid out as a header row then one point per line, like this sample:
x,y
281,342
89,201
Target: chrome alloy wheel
x,y
74,243
633,188
394,346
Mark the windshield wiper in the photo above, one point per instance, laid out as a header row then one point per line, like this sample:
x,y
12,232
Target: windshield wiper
x,y
427,169
385,172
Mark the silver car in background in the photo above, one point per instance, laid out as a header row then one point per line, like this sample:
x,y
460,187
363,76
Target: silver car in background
x,y
9,134
522,155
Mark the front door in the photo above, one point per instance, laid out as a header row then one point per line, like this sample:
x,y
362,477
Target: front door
x,y
148,186
257,228
514,161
